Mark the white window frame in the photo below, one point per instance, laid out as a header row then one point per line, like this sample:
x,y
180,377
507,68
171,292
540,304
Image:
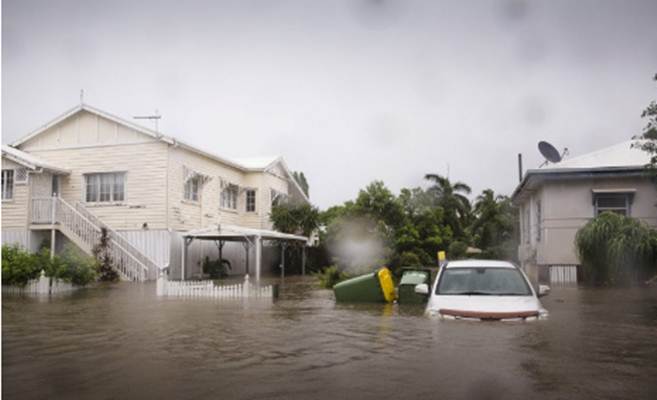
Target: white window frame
x,y
99,186
228,200
247,201
192,189
7,193
628,196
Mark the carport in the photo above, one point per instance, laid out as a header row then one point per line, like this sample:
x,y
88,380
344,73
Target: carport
x,y
249,237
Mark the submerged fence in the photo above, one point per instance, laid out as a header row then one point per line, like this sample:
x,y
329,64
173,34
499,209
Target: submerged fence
x,y
207,288
563,275
41,285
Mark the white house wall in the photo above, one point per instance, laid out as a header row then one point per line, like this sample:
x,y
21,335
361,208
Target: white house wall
x,y
87,143
15,210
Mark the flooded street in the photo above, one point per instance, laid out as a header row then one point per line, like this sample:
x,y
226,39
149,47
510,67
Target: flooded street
x,y
123,342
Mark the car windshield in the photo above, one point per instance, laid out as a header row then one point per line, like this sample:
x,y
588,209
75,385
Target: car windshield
x,y
483,281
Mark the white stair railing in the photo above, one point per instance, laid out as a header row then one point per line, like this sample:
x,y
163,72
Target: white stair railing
x,y
121,241
85,231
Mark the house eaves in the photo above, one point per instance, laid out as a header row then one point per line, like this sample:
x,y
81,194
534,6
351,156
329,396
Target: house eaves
x,y
30,161
533,178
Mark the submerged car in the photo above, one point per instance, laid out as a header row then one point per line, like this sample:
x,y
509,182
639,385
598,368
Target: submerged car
x,y
483,290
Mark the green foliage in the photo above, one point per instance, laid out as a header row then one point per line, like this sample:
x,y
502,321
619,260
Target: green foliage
x,y
409,259
301,180
494,226
330,277
18,266
647,140
457,250
451,197
295,218
101,253
73,266
617,250
217,269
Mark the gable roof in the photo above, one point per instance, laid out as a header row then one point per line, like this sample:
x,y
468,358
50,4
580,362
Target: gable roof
x,y
620,158
248,164
30,161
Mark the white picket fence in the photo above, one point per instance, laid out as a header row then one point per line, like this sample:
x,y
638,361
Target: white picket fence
x,y
207,288
42,285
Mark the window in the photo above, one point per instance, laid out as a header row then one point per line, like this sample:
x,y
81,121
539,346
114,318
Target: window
x,y
483,281
229,197
106,187
250,200
619,203
7,184
191,189
538,221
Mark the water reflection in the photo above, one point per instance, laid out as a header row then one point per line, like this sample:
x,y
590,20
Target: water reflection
x,y
124,342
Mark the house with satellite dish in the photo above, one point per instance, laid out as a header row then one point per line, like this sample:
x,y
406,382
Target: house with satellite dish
x,y
558,198
165,204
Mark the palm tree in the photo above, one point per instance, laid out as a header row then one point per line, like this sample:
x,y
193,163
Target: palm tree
x,y
452,198
493,219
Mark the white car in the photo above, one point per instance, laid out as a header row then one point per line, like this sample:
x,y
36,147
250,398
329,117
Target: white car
x,y
483,290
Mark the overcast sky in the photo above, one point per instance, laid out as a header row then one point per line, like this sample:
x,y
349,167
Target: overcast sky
x,y
347,91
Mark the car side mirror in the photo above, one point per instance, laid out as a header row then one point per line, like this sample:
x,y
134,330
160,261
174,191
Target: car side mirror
x,y
543,290
422,288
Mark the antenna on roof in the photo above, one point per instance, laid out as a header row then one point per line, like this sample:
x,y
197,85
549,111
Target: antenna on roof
x,y
155,118
550,153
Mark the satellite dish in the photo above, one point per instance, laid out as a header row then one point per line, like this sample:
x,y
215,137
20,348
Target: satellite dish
x,y
548,151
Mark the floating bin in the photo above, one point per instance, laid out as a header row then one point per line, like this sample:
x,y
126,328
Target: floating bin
x,y
376,287
410,278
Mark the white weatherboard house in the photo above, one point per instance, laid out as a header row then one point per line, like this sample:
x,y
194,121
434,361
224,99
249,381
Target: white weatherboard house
x,y
87,169
555,201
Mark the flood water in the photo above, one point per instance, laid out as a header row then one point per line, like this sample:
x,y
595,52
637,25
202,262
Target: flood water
x,y
123,342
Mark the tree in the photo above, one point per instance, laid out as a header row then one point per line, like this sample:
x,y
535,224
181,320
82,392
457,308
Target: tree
x,y
647,140
377,202
301,180
302,218
493,225
452,198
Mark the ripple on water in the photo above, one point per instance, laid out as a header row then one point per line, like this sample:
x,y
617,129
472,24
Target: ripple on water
x,y
124,342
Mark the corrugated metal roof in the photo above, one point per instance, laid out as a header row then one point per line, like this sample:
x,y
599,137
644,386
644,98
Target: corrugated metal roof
x,y
618,155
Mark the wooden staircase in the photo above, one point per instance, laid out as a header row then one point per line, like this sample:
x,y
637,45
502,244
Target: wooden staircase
x,y
84,229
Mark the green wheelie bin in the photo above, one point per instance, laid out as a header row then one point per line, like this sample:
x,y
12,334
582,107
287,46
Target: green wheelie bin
x,y
410,278
375,287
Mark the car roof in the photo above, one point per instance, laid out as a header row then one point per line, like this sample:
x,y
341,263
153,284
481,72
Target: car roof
x,y
480,264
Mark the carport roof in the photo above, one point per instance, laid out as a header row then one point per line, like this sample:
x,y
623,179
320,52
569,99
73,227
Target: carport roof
x,y
234,233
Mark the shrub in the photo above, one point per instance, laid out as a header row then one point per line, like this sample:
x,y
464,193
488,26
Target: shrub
x,y
615,249
456,250
101,253
18,266
331,276
409,259
75,267
217,269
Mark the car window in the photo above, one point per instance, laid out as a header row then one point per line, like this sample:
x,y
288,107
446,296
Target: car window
x,y
483,281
